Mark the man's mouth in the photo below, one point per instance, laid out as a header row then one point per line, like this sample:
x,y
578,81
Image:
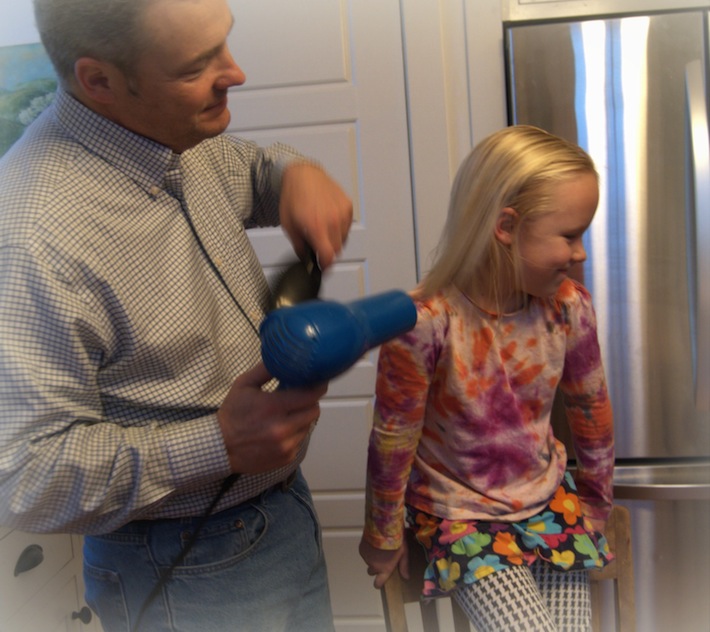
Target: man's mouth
x,y
222,103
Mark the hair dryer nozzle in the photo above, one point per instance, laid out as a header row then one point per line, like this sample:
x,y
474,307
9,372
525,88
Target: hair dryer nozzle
x,y
316,341
384,316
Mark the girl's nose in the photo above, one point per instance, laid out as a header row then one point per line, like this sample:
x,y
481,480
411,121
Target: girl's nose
x,y
579,254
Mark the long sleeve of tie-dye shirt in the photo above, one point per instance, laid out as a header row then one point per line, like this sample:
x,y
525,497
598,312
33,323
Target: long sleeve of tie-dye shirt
x,y
462,415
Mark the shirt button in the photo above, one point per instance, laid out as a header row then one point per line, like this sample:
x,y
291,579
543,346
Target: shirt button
x,y
154,190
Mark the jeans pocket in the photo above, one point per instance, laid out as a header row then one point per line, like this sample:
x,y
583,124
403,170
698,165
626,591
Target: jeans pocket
x,y
222,543
106,597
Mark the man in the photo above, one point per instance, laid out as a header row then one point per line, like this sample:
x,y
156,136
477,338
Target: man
x,y
130,300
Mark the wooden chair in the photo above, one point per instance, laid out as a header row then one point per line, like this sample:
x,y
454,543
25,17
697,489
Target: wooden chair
x,y
620,571
397,591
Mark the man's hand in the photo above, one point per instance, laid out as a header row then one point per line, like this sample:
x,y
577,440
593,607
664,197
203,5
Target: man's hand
x,y
264,431
314,209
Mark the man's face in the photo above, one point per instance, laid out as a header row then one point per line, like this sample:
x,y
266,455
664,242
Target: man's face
x,y
177,95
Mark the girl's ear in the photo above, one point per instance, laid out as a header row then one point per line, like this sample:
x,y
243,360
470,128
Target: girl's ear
x,y
505,226
96,79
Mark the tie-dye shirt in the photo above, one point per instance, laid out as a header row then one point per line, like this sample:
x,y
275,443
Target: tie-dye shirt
x,y
462,416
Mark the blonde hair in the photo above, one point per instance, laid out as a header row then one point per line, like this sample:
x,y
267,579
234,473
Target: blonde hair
x,y
515,167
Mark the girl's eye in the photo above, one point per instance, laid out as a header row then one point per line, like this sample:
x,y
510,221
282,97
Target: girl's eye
x,y
573,236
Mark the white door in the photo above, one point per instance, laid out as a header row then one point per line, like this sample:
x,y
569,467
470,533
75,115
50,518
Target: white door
x,y
327,76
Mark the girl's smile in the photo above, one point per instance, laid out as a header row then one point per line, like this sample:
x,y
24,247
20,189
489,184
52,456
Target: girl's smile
x,y
551,243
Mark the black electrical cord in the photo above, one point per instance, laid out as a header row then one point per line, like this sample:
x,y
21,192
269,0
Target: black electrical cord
x,y
167,573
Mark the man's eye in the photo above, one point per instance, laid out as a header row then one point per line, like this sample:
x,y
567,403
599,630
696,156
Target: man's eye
x,y
193,71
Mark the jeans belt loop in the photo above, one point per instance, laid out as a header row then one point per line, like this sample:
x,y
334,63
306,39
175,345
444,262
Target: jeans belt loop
x,y
288,482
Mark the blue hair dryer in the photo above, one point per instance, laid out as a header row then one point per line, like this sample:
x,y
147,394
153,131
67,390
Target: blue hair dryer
x,y
316,341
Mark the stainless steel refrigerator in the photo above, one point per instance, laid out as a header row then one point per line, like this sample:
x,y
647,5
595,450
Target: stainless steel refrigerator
x,y
633,91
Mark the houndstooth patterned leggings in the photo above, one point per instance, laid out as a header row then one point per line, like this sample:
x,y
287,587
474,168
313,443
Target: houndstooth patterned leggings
x,y
528,599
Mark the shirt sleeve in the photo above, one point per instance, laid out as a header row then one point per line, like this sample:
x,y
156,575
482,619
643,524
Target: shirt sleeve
x,y
405,370
61,469
588,406
266,166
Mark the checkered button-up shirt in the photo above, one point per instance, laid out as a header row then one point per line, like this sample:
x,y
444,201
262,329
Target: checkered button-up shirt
x,y
125,315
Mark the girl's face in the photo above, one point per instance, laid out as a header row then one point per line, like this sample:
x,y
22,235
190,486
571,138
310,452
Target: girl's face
x,y
550,244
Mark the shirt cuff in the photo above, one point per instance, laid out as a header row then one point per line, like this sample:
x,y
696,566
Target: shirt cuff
x,y
196,452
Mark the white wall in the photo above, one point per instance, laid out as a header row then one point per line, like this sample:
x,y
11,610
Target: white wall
x,y
18,23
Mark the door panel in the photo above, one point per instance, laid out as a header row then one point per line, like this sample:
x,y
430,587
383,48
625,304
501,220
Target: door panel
x,y
355,124
286,43
327,77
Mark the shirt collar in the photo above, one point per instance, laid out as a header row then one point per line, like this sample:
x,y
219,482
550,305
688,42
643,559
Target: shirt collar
x,y
143,160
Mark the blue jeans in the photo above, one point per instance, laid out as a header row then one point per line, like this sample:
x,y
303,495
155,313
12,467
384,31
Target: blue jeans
x,y
256,567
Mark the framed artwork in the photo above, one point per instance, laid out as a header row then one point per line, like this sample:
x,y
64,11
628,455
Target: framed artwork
x,y
28,84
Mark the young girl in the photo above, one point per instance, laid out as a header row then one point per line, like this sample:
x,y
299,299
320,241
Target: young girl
x,y
462,447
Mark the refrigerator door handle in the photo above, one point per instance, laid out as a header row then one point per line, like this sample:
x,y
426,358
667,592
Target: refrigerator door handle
x,y
699,229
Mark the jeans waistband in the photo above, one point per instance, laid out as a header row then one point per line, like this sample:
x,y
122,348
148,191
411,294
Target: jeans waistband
x,y
143,526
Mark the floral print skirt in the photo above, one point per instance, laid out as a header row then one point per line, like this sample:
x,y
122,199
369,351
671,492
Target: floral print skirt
x,y
464,551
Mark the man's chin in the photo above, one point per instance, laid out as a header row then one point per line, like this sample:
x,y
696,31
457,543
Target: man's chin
x,y
205,132
216,126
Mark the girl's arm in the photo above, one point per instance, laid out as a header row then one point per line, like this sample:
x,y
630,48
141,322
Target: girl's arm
x,y
405,368
588,410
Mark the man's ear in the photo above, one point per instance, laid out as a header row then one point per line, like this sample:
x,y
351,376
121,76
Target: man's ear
x,y
505,226
97,80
